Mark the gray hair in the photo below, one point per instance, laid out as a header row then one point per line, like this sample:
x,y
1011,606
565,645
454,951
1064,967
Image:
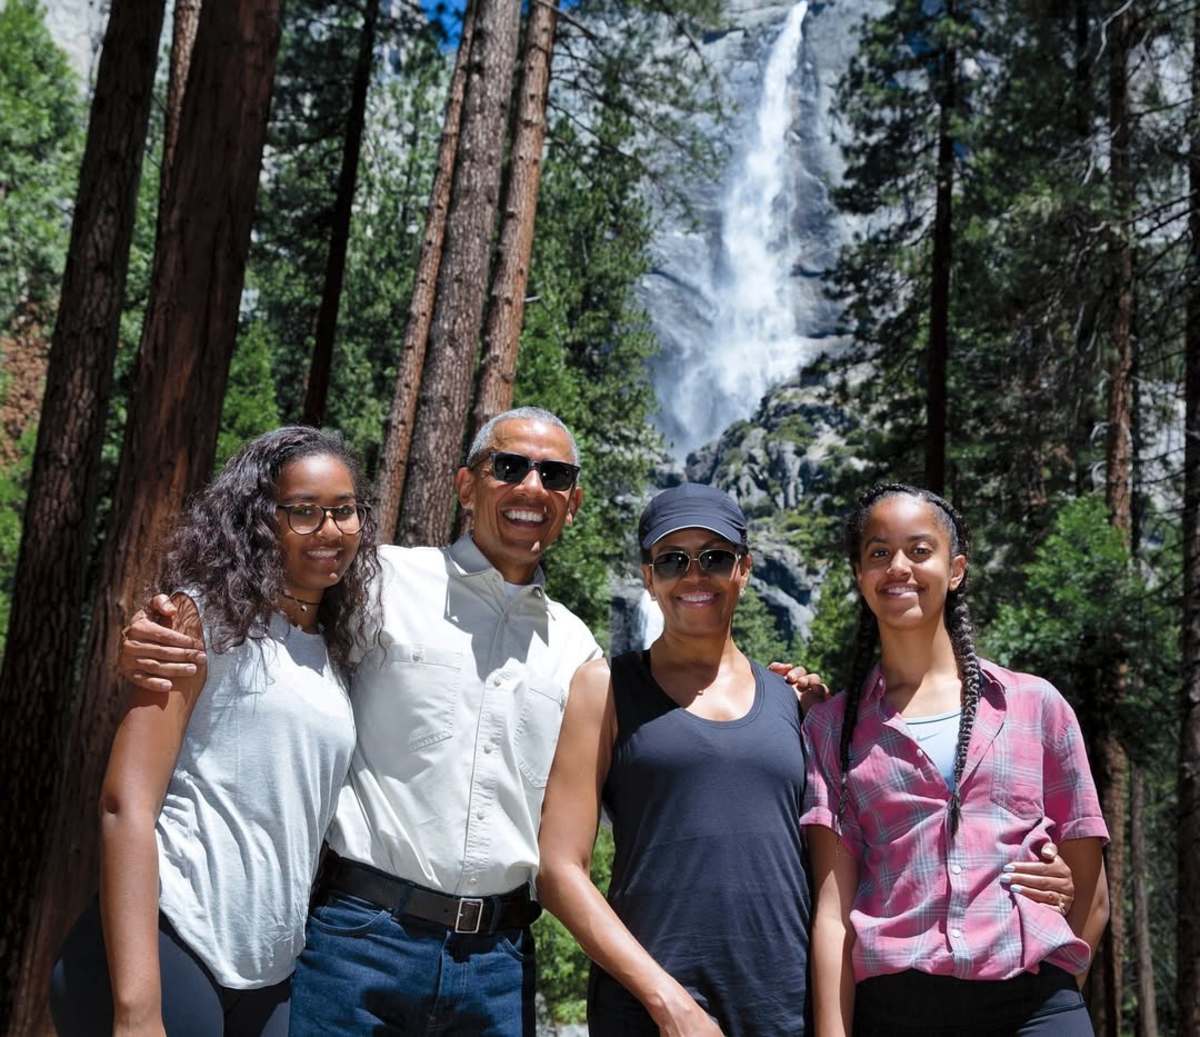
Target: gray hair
x,y
482,442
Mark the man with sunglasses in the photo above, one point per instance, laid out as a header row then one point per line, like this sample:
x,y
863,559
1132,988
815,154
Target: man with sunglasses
x,y
420,920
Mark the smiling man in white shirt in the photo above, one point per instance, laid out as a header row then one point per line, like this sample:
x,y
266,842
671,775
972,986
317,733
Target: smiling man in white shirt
x,y
420,922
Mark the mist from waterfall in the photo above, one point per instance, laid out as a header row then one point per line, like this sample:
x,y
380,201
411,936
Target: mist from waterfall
x,y
754,343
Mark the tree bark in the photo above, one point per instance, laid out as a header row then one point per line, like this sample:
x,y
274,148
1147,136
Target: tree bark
x,y
939,293
183,364
1187,956
1139,860
449,374
1113,763
506,306
48,585
183,41
339,239
393,467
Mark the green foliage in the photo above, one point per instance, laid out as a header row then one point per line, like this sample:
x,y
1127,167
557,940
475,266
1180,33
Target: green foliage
x,y
287,265
1085,611
562,968
755,633
249,408
831,634
584,349
14,481
40,146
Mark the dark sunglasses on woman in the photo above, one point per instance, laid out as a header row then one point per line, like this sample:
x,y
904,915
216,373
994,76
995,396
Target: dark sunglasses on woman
x,y
715,561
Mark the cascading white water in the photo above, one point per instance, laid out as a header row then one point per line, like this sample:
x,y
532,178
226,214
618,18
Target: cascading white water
x,y
649,622
754,342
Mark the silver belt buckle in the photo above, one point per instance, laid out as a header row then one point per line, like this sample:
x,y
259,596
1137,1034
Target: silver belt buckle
x,y
470,914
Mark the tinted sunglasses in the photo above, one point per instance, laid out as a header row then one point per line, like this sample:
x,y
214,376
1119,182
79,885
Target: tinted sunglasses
x,y
513,468
715,561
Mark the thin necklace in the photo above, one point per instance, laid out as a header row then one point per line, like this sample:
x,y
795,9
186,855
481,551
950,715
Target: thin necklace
x,y
299,601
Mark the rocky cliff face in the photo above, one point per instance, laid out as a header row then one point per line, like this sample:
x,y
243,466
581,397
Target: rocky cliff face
x,y
78,27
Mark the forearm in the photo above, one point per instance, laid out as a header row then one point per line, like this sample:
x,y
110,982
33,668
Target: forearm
x,y
567,891
129,908
833,976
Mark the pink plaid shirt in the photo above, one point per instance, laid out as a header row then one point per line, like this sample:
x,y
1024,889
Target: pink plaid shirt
x,y
926,903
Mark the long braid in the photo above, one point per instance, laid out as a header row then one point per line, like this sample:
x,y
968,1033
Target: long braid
x,y
866,642
958,626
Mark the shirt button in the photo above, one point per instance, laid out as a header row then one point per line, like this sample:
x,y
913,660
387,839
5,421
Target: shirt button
x,y
956,868
488,747
472,881
956,933
478,815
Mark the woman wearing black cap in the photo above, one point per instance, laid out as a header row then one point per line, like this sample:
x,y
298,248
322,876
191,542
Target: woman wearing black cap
x,y
694,752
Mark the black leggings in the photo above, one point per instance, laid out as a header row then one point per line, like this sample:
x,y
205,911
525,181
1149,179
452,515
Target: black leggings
x,y
194,1004
1045,1004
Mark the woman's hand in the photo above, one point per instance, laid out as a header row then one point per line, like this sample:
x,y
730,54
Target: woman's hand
x,y
1048,881
678,1015
809,687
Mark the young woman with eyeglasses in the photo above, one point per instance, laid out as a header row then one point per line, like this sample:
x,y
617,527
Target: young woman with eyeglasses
x,y
929,780
218,793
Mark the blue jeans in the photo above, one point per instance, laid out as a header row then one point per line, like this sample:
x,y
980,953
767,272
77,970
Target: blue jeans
x,y
366,971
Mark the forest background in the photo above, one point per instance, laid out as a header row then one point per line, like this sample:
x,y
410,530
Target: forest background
x,y
1021,320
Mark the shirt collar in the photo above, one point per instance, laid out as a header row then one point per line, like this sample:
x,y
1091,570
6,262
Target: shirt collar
x,y
993,680
465,554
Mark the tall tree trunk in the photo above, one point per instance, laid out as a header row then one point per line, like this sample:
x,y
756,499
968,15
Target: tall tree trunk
x,y
506,306
183,41
183,364
393,466
1187,955
339,238
939,292
1113,762
1139,861
449,374
48,587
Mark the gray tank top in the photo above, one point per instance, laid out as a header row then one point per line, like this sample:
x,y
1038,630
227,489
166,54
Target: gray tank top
x,y
258,774
709,872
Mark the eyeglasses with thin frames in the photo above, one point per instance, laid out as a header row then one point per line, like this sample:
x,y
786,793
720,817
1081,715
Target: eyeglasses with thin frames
x,y
308,518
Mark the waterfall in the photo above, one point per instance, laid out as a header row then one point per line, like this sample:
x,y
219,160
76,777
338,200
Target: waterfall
x,y
649,622
754,342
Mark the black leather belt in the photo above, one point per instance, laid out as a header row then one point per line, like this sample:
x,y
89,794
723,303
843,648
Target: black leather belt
x,y
514,910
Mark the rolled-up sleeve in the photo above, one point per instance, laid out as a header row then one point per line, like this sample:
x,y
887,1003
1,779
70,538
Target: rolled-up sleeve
x,y
823,778
1071,801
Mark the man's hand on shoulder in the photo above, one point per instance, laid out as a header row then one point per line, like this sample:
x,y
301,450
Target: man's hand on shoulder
x,y
154,651
809,687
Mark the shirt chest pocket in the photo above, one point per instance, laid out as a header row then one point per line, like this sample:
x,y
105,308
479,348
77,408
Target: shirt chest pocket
x,y
428,685
539,719
1017,780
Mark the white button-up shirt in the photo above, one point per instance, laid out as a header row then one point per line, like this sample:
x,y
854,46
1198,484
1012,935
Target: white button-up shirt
x,y
458,709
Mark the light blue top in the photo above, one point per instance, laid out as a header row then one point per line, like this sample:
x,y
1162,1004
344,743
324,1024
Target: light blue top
x,y
937,736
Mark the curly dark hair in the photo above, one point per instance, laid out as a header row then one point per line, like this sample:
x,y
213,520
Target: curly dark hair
x,y
958,626
225,546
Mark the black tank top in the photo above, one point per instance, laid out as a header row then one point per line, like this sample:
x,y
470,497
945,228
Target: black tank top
x,y
709,872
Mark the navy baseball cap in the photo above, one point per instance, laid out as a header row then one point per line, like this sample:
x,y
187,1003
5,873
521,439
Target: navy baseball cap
x,y
692,505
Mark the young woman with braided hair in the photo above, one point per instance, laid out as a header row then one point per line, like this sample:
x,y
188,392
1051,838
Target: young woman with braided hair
x,y
928,781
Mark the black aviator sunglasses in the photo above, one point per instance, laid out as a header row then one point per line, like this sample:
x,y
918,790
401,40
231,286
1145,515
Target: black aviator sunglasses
x,y
715,561
513,468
